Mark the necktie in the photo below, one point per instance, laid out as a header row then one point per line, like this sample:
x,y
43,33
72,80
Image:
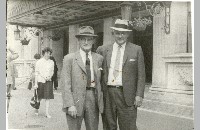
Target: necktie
x,y
88,70
117,62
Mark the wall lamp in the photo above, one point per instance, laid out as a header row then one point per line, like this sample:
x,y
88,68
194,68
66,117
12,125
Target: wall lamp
x,y
167,17
17,33
23,34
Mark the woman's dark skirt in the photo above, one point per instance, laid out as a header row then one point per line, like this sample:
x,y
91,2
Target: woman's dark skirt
x,y
45,90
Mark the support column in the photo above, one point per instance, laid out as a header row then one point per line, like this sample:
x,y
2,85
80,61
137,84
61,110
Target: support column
x,y
168,44
126,10
46,40
73,44
107,38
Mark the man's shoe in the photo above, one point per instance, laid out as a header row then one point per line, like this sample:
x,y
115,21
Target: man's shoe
x,y
14,88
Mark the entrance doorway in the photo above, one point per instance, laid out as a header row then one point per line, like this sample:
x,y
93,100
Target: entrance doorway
x,y
99,41
66,42
145,40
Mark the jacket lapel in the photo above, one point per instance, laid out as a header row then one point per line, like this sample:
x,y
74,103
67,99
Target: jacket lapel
x,y
95,65
80,61
109,54
126,51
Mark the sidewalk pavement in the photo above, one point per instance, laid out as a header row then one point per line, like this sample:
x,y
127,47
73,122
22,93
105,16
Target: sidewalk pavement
x,y
21,115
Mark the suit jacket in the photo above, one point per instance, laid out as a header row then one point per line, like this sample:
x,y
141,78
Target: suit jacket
x,y
133,70
74,81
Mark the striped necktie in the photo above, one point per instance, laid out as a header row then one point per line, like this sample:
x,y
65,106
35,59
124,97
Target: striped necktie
x,y
117,62
88,70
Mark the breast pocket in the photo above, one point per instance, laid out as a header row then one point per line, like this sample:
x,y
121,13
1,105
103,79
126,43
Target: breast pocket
x,y
132,62
98,75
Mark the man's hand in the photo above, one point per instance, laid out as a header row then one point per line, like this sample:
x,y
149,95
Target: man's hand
x,y
72,111
138,101
48,78
35,86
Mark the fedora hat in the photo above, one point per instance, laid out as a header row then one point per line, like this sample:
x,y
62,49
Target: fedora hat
x,y
86,31
121,25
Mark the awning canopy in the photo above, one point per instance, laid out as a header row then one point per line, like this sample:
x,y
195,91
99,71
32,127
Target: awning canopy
x,y
58,13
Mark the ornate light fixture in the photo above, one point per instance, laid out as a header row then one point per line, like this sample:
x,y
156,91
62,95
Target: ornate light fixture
x,y
25,41
167,17
140,23
156,8
17,33
24,36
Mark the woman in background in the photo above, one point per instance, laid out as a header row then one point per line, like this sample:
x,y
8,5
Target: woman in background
x,y
11,55
54,77
43,73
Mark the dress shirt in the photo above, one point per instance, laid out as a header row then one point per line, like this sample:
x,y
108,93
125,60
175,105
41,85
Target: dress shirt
x,y
44,69
111,79
83,56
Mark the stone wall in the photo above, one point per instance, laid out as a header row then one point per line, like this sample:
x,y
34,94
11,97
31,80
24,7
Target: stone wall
x,y
168,44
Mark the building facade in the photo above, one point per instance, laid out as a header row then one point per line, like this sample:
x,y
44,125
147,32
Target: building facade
x,y
166,42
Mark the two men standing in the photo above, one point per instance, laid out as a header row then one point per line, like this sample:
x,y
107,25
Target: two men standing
x,y
122,81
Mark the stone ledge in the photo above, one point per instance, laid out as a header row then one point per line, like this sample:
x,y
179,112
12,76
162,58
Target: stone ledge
x,y
169,108
180,105
163,96
177,91
179,58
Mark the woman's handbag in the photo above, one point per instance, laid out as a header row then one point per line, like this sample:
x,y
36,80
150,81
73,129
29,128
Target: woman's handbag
x,y
35,103
30,85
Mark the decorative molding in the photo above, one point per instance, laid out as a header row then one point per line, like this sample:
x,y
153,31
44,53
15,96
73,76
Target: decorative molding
x,y
179,57
171,90
60,13
17,9
185,73
178,73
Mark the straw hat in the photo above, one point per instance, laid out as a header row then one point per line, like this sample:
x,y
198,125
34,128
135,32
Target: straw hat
x,y
121,25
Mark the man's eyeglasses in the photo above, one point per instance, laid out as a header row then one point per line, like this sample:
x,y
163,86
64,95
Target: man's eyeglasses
x,y
120,33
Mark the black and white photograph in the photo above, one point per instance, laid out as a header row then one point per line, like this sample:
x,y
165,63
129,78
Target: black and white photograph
x,y
99,65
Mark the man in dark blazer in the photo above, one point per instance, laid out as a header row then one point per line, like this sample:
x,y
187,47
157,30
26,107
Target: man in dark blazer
x,y
54,78
80,82
123,79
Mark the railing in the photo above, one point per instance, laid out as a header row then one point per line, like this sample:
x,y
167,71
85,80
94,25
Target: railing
x,y
23,68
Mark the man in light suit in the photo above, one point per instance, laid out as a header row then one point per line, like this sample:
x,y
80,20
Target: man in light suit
x,y
123,79
80,78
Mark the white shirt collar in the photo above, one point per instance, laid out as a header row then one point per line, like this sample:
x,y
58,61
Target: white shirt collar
x,y
83,53
45,59
123,45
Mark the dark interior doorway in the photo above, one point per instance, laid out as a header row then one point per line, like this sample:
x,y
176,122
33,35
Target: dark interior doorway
x,y
145,40
66,43
99,42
